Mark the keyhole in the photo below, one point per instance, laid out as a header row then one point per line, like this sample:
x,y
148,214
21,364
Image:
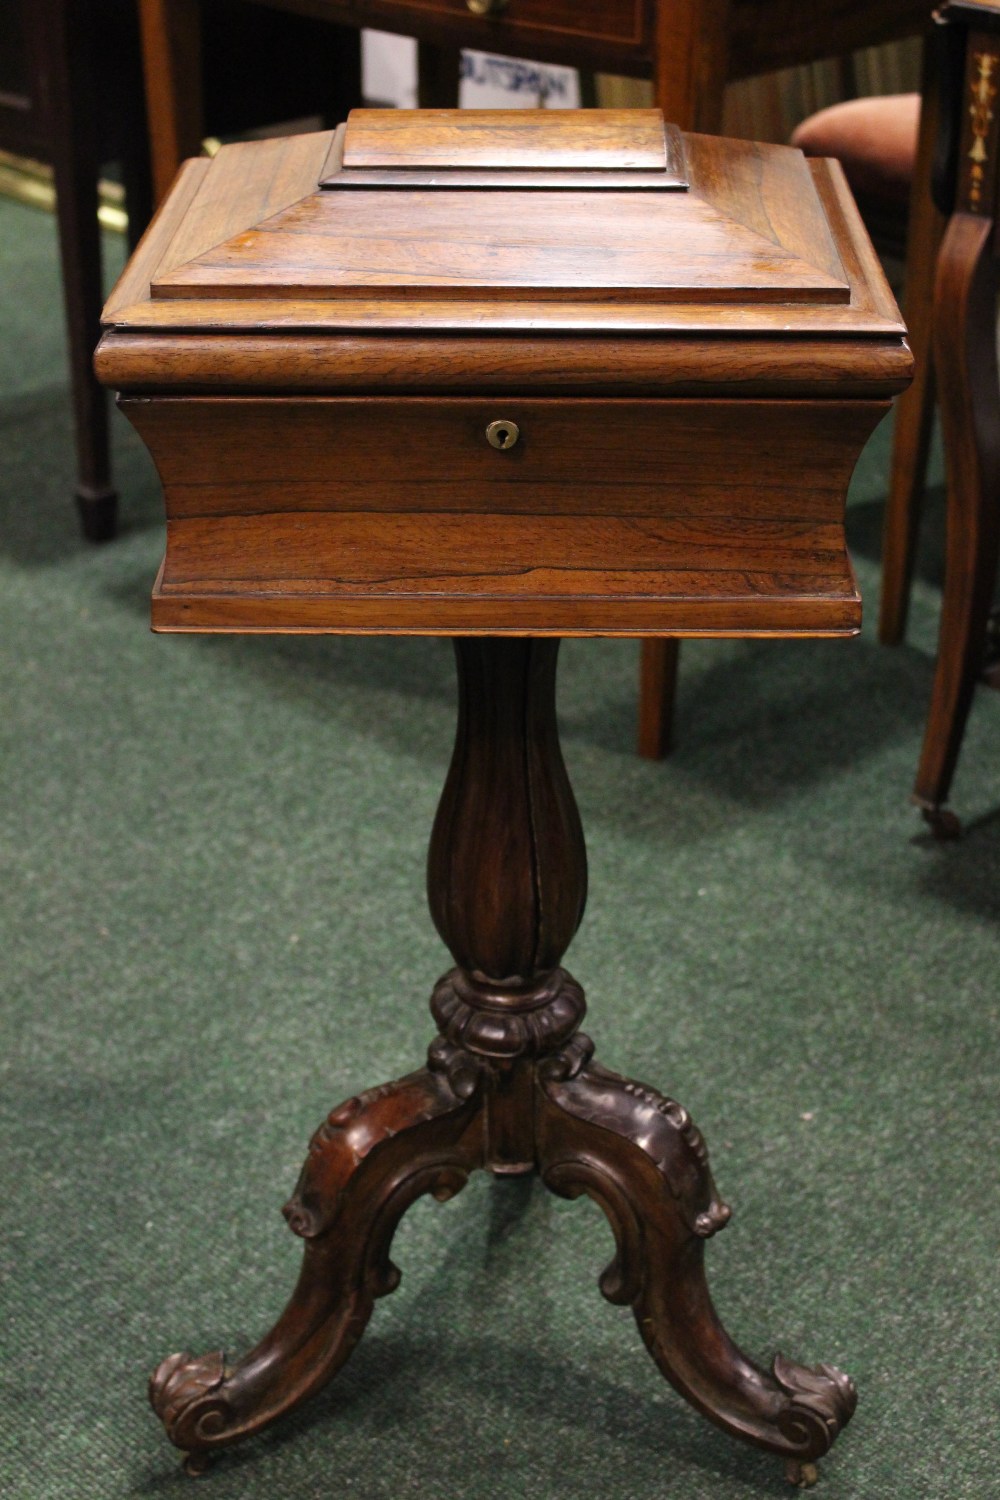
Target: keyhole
x,y
502,434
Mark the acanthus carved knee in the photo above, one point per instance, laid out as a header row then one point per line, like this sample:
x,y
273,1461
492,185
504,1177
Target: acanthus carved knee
x,y
587,1095
352,1131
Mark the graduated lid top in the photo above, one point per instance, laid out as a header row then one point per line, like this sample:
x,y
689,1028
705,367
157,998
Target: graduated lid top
x,y
528,147
506,217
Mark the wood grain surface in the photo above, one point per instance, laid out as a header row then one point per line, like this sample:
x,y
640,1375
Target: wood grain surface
x,y
692,517
750,229
492,168
742,605
132,285
620,139
436,360
869,308
247,182
674,247
742,462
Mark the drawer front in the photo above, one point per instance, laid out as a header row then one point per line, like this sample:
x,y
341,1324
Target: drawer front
x,y
616,21
555,28
611,517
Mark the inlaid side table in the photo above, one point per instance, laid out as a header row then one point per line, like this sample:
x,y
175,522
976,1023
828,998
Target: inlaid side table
x,y
506,377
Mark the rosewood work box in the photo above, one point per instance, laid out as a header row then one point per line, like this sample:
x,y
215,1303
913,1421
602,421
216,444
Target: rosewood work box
x,y
506,377
689,339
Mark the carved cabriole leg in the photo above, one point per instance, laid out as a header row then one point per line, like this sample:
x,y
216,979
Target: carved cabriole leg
x,y
639,1156
367,1163
507,883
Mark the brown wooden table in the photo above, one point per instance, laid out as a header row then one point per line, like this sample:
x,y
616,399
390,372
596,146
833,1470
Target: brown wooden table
x,y
506,376
690,48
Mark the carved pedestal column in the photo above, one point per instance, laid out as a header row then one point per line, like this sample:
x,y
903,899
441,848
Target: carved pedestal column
x,y
509,1086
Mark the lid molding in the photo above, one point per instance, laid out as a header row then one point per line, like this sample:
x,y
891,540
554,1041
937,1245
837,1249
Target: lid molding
x,y
492,148
763,242
610,139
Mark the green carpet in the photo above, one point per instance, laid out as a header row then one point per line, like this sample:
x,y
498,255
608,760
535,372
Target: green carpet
x,y
214,929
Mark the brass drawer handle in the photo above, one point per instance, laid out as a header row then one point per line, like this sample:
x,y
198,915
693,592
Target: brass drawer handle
x,y
503,434
486,7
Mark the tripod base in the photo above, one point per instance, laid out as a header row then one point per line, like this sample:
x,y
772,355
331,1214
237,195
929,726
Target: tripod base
x,y
510,1086
584,1130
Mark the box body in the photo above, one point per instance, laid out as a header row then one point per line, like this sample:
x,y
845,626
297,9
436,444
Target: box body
x,y
690,341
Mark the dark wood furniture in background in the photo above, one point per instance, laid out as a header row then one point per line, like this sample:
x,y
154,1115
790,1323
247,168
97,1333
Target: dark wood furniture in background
x,y
931,202
690,49
72,94
965,359
892,185
951,293
394,384
914,417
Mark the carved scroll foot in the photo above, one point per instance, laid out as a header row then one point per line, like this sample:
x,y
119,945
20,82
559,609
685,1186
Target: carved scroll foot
x,y
367,1163
640,1157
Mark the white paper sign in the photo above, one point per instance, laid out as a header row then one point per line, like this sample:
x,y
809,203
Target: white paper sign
x,y
389,70
491,82
389,77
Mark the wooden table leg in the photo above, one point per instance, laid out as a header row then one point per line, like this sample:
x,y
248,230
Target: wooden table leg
x,y
171,53
510,1086
691,62
658,670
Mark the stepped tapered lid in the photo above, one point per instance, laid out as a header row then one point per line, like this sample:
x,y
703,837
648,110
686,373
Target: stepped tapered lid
x,y
469,220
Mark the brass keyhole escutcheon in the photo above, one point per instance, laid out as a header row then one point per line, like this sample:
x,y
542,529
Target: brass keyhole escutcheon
x,y
486,7
503,434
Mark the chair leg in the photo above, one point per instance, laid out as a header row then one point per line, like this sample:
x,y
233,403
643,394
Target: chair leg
x,y
345,90
914,409
170,31
657,690
75,160
138,185
437,76
965,354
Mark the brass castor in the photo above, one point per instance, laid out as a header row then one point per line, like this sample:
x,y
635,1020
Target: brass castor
x,y
802,1475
